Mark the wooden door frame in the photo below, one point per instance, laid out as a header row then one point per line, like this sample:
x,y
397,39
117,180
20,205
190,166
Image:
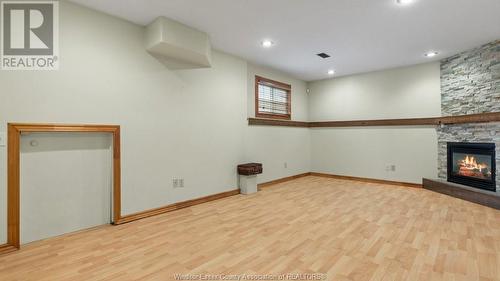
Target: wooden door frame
x,y
13,171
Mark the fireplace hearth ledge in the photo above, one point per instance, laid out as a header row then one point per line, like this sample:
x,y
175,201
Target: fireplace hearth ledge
x,y
471,194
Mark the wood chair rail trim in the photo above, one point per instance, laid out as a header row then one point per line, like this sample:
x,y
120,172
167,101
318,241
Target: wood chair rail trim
x,y
430,121
272,122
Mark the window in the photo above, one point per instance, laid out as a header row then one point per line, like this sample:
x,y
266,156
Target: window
x,y
272,99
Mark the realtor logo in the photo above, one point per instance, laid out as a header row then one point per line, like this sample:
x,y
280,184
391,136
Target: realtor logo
x,y
30,35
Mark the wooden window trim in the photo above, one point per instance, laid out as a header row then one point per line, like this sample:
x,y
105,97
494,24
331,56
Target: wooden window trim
x,y
13,171
276,84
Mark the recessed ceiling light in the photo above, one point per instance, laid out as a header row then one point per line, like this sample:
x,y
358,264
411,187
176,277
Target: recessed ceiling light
x,y
331,72
404,2
267,43
431,54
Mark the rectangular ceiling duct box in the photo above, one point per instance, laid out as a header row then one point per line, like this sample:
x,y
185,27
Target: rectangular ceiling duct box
x,y
178,46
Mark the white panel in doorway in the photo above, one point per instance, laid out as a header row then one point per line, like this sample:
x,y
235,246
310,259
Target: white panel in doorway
x,y
65,183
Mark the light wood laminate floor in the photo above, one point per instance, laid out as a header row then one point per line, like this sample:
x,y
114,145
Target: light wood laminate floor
x,y
347,230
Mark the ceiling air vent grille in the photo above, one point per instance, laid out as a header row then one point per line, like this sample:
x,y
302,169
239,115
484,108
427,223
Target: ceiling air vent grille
x,y
323,55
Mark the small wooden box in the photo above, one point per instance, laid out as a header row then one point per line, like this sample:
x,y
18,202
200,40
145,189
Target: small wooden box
x,y
250,169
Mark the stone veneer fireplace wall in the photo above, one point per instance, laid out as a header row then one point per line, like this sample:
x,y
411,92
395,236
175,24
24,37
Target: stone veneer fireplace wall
x,y
470,83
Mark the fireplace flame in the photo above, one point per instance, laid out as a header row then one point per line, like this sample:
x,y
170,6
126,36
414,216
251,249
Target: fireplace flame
x,y
470,163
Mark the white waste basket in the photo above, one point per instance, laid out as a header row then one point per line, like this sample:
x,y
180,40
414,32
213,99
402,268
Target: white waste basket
x,y
248,184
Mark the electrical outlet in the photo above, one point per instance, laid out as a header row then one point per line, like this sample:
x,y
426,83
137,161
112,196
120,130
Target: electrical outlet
x,y
177,183
390,168
285,165
3,140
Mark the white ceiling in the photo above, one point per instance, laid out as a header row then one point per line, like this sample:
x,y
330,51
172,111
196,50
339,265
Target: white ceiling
x,y
360,35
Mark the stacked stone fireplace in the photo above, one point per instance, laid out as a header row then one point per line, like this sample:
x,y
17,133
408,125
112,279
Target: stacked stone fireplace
x,y
470,83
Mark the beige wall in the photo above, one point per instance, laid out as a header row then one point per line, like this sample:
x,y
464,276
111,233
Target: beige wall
x,y
396,93
366,152
275,146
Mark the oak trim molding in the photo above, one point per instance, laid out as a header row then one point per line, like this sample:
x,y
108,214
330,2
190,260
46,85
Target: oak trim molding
x,y
471,118
175,206
368,180
333,176
197,201
430,121
272,122
376,122
13,170
6,248
263,185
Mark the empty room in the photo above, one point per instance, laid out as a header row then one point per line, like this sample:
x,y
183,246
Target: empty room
x,y
344,140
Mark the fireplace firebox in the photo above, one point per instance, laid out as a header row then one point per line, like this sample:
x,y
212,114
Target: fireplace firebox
x,y
472,164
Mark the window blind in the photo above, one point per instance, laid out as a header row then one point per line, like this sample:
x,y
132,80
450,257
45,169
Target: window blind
x,y
273,98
